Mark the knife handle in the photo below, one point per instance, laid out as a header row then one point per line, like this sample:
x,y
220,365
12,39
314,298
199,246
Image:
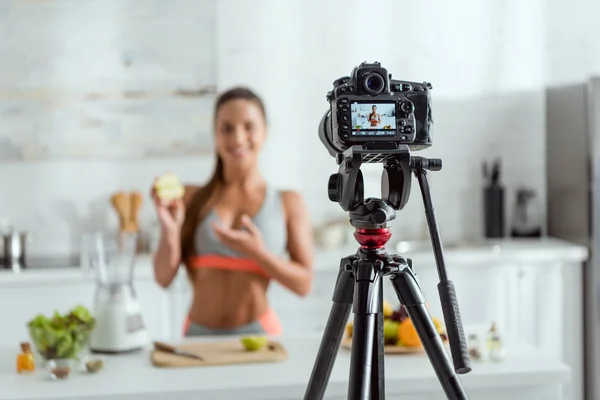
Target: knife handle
x,y
164,347
160,346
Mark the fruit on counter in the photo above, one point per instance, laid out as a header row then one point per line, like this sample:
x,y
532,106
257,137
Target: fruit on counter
x,y
254,343
388,310
400,314
407,333
349,328
168,187
94,365
61,336
390,331
398,329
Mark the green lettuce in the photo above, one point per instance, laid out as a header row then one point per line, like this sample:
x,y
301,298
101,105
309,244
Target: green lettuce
x,y
61,336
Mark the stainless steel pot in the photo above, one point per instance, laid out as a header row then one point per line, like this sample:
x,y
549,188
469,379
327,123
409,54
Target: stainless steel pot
x,y
13,249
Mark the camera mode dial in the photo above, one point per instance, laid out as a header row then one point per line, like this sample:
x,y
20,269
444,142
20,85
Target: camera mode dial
x,y
407,106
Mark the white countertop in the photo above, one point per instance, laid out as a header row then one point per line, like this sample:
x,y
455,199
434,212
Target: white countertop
x,y
472,254
132,376
480,254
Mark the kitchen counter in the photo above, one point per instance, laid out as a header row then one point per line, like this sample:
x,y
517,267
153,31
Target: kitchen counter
x,y
531,287
525,374
467,254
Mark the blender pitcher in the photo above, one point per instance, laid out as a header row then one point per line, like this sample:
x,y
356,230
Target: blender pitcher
x,y
119,322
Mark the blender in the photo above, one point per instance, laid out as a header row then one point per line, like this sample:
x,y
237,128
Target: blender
x,y
119,323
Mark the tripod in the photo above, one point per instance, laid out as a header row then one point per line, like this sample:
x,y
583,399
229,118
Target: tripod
x,y
359,281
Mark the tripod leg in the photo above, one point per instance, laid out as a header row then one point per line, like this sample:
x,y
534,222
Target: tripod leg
x,y
334,331
377,371
366,309
409,293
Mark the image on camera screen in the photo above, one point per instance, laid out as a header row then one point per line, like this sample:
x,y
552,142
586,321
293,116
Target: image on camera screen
x,y
373,119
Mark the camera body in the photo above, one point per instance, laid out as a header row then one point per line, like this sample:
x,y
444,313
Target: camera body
x,y
372,110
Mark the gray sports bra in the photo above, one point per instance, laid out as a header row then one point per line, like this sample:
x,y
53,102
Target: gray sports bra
x,y
269,220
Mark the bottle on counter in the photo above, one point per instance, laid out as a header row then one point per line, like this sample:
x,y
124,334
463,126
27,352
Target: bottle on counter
x,y
527,218
474,345
493,201
25,359
495,345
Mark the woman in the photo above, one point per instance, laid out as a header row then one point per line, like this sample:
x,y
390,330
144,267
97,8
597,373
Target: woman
x,y
374,118
232,233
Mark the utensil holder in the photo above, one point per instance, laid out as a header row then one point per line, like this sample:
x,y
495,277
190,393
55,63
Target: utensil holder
x,y
494,211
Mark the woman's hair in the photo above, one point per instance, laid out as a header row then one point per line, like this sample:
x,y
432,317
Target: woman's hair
x,y
372,112
198,205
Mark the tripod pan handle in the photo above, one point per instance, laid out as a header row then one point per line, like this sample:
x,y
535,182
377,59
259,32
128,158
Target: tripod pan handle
x,y
456,335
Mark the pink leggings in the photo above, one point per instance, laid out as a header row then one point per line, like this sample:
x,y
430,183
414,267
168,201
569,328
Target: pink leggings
x,y
268,322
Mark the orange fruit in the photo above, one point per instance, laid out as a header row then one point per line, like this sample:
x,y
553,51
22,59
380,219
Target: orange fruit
x,y
407,334
388,310
349,329
438,325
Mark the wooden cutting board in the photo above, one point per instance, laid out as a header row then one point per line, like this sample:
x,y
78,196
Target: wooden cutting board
x,y
219,353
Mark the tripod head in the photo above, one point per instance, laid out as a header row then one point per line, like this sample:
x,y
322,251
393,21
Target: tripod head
x,y
346,187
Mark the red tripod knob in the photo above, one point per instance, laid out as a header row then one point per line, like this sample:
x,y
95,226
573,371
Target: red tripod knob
x,y
372,238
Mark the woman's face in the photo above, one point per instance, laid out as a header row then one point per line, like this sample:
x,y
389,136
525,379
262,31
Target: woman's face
x,y
240,132
374,108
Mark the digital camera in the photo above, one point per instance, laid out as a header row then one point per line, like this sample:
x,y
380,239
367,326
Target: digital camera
x,y
372,110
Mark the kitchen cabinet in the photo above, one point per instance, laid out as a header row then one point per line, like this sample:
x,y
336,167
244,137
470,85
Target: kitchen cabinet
x,y
158,307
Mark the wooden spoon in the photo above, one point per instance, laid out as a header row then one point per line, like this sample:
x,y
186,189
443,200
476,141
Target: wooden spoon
x,y
120,202
135,204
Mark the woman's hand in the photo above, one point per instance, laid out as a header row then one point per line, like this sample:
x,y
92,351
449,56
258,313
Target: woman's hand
x,y
171,213
247,241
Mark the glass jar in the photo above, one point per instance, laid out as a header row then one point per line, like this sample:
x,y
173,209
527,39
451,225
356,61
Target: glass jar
x,y
495,345
25,359
474,345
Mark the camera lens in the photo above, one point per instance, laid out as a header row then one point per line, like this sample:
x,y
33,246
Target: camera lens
x,y
373,83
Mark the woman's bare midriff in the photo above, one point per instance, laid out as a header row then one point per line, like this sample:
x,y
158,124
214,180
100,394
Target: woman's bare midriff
x,y
227,299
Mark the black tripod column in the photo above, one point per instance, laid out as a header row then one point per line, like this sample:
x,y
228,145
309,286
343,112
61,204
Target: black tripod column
x,y
364,363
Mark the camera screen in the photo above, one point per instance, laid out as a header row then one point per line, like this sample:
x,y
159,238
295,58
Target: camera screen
x,y
373,119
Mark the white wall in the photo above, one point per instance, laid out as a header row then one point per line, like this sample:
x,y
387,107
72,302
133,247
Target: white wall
x,y
572,41
487,61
